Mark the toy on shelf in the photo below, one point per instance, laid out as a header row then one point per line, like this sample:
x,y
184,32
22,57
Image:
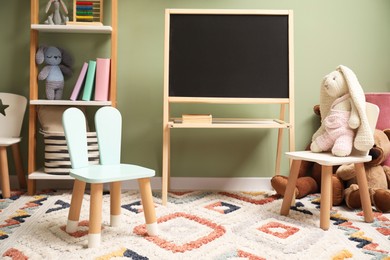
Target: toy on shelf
x,y
58,63
57,17
87,12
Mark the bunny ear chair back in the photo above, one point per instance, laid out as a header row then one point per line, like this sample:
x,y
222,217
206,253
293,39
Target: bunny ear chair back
x,y
108,124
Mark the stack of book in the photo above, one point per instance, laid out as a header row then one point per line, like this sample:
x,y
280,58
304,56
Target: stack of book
x,y
197,119
93,82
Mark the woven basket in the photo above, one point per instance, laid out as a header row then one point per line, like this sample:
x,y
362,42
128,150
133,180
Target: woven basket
x,y
57,159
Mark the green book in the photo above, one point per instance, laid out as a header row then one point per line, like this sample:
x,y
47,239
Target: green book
x,y
89,81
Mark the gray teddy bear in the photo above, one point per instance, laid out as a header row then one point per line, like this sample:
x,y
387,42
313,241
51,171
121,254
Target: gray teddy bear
x,y
58,63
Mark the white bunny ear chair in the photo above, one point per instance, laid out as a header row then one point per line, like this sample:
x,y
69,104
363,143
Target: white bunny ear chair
x,y
364,139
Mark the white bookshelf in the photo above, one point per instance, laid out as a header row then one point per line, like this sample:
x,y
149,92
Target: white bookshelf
x,y
104,29
41,175
69,102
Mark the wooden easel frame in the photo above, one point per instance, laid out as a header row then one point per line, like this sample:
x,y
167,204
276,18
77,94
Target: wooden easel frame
x,y
279,123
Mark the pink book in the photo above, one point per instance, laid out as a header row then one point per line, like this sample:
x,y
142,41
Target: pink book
x,y
79,82
102,79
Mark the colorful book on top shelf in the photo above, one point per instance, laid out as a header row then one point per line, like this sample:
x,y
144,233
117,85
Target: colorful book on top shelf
x,y
79,83
89,81
102,83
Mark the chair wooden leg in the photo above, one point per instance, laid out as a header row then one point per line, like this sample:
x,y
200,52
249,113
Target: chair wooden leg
x,y
115,203
4,173
19,165
148,206
95,215
290,189
363,191
326,191
75,206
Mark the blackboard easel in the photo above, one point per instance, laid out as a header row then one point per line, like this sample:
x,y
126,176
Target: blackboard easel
x,y
228,57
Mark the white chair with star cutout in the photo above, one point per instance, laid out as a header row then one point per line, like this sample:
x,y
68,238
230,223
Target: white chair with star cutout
x,y
12,110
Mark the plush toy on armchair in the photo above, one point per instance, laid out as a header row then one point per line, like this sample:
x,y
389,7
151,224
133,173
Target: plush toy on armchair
x,y
58,63
344,122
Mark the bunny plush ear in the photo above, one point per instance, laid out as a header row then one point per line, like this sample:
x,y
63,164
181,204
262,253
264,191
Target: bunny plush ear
x,y
67,59
40,55
364,139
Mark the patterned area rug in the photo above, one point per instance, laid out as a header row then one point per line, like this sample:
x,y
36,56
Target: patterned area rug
x,y
194,225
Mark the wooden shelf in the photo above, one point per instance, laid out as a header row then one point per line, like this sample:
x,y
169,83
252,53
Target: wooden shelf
x,y
69,103
104,29
41,175
231,123
35,172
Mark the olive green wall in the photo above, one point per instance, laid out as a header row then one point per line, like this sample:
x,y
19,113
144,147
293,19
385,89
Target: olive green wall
x,y
355,33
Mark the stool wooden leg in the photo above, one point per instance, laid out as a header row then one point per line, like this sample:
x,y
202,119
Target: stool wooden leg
x,y
290,189
95,215
115,203
4,174
148,206
75,206
363,192
19,165
326,190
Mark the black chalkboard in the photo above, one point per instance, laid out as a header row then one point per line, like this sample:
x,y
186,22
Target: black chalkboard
x,y
229,55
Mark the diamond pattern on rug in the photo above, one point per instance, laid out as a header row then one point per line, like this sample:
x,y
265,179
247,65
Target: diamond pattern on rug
x,y
181,232
258,198
279,233
135,207
123,252
14,254
238,254
222,207
19,216
82,229
183,197
198,228
278,229
4,203
61,205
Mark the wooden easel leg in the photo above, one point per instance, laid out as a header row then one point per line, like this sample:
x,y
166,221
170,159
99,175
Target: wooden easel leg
x,y
326,191
148,206
95,215
19,165
280,139
115,203
363,192
290,189
165,166
75,206
4,173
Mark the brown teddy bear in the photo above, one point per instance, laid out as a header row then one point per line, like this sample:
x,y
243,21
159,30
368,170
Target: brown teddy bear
x,y
378,176
309,179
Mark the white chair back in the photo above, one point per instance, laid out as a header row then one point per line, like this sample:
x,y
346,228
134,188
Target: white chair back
x,y
12,109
